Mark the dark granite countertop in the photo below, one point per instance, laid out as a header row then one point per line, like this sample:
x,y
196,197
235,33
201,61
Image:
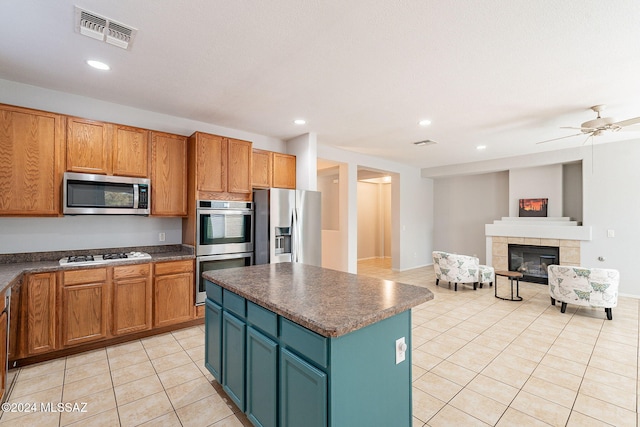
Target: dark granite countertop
x,y
329,302
12,266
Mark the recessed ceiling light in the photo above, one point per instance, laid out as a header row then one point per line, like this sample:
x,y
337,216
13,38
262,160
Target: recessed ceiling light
x,y
424,122
98,65
300,121
481,147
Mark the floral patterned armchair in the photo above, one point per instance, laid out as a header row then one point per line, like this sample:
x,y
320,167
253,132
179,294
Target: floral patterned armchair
x,y
590,287
454,268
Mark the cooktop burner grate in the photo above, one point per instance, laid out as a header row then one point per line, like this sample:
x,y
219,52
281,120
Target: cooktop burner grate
x,y
80,258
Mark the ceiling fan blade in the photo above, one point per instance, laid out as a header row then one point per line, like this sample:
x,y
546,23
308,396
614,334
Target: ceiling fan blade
x,y
628,122
562,137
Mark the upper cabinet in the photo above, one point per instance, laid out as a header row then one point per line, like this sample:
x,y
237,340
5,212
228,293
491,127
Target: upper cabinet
x,y
88,146
284,170
275,170
168,174
31,144
130,151
221,167
261,169
107,149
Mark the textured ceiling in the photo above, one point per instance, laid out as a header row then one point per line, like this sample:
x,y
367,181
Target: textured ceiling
x,y
504,74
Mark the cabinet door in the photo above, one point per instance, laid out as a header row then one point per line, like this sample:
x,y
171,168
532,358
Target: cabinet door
x,y
168,175
261,168
173,299
88,146
132,298
130,151
31,144
239,166
262,379
284,171
84,313
38,331
233,348
211,163
303,393
213,339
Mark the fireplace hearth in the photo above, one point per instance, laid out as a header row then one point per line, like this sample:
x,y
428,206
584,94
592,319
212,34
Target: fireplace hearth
x,y
532,261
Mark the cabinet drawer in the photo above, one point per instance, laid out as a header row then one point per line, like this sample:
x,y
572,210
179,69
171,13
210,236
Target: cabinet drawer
x,y
262,318
126,271
173,267
234,303
307,343
214,292
93,275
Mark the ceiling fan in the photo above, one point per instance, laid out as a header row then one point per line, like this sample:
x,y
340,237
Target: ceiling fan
x,y
597,126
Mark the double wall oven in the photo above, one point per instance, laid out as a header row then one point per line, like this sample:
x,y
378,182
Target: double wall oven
x,y
224,233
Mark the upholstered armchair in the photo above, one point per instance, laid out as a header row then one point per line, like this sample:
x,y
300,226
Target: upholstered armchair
x,y
590,287
454,268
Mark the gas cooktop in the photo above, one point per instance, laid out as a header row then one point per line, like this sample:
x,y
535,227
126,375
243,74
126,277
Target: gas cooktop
x,y
79,260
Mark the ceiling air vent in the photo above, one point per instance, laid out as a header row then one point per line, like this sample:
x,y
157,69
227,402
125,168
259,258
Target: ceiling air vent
x,y
424,143
101,28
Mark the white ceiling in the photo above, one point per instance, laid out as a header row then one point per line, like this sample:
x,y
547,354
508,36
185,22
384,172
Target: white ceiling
x,y
501,73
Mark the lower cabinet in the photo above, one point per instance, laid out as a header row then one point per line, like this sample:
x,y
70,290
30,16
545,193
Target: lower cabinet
x,y
233,356
262,379
38,328
173,298
213,339
85,306
303,392
269,376
131,298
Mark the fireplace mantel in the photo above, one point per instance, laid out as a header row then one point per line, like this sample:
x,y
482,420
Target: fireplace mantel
x,y
541,228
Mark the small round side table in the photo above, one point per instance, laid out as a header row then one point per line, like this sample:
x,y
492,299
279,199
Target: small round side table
x,y
511,275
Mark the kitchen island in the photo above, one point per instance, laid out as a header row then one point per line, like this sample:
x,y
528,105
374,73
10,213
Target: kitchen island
x,y
298,345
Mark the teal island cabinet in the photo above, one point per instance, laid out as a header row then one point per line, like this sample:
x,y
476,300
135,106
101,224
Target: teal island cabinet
x,y
295,345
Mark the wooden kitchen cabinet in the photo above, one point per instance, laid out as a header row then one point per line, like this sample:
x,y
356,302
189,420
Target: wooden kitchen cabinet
x,y
31,147
168,174
85,297
38,329
130,151
261,169
173,292
222,167
132,298
88,146
284,171
273,170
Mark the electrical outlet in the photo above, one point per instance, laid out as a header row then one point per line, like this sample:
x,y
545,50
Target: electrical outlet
x,y
161,237
401,350
611,233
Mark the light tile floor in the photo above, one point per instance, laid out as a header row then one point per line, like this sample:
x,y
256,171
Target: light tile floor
x,y
477,361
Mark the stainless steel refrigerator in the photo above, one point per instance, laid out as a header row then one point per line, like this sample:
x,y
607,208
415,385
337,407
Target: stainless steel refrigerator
x,y
287,226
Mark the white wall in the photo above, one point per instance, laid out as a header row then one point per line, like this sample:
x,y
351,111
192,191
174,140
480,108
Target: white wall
x,y
84,232
540,182
368,221
305,148
411,196
463,205
611,200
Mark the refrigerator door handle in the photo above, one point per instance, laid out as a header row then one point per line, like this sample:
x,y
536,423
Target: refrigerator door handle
x,y
295,237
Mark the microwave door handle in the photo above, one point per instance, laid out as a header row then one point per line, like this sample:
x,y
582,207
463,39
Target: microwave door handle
x,y
136,196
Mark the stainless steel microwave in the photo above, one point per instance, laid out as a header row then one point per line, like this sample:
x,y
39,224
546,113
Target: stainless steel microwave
x,y
89,194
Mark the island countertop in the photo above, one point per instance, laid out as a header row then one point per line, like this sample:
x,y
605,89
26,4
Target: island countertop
x,y
329,302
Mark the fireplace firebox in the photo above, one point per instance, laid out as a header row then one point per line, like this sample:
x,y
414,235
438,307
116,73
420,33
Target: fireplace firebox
x,y
532,261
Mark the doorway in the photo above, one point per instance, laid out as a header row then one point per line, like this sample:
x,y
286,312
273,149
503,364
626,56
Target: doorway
x,y
374,218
